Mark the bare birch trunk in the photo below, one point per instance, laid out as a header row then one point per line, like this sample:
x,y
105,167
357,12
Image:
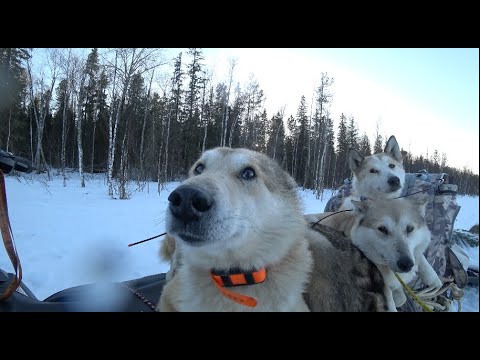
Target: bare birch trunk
x,y
111,144
225,121
95,119
159,158
307,165
162,175
123,177
142,160
40,118
79,121
64,135
132,61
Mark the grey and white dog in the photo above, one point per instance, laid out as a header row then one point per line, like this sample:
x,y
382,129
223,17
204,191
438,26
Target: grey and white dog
x,y
380,175
394,235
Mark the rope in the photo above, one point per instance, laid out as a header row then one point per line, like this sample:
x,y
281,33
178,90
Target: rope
x,y
412,294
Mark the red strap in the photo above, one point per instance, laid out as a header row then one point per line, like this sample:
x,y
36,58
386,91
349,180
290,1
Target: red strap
x,y
8,241
235,278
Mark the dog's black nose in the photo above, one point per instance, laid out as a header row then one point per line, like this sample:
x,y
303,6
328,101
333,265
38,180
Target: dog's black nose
x,y
394,182
187,203
405,264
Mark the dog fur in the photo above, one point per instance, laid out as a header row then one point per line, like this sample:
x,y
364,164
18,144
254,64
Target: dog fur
x,y
394,235
343,279
252,223
237,209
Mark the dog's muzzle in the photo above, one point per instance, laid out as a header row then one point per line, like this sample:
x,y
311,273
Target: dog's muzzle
x,y
188,203
394,182
405,264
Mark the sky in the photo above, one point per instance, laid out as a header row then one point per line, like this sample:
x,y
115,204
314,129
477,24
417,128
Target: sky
x,y
427,97
70,236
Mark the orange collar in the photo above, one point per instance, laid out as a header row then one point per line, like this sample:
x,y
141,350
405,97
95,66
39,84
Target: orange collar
x,y
237,277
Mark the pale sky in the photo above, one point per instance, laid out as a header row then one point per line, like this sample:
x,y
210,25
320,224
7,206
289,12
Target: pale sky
x,y
427,98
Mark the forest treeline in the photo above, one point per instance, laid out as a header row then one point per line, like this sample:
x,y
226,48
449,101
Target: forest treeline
x,y
139,116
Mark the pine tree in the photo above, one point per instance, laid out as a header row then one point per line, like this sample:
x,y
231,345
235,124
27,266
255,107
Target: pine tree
x,y
323,99
236,116
364,146
343,171
330,153
190,136
352,134
253,101
13,89
378,144
173,116
302,134
276,137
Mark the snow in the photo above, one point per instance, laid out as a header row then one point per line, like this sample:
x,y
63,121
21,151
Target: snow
x,y
69,236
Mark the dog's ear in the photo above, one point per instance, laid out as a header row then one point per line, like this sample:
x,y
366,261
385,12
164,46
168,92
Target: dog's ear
x,y
355,160
360,207
393,149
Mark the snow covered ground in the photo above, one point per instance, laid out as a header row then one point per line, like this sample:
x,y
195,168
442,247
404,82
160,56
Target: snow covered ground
x,y
69,236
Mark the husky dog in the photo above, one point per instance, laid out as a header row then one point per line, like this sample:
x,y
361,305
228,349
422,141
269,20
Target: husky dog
x,y
238,227
394,235
343,279
376,176
238,220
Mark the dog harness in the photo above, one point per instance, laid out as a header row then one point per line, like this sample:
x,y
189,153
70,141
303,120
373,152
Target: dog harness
x,y
237,277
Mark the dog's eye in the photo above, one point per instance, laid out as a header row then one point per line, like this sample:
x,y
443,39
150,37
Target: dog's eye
x,y
248,173
373,171
383,230
409,229
391,166
199,169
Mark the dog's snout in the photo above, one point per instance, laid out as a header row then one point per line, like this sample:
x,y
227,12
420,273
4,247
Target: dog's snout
x,y
188,203
405,264
394,181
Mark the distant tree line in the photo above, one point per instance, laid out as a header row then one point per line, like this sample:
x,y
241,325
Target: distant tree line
x,y
118,111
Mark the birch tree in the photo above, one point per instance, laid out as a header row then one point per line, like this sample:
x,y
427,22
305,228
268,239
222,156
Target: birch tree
x,y
324,97
128,61
79,92
142,138
208,115
41,90
233,63
308,140
68,72
342,150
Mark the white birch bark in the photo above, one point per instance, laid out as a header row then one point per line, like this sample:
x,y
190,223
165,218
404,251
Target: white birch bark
x,y
79,121
233,62
132,61
44,106
142,140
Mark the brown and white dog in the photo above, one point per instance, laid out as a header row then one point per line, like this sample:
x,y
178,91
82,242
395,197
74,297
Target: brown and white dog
x,y
238,241
238,233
